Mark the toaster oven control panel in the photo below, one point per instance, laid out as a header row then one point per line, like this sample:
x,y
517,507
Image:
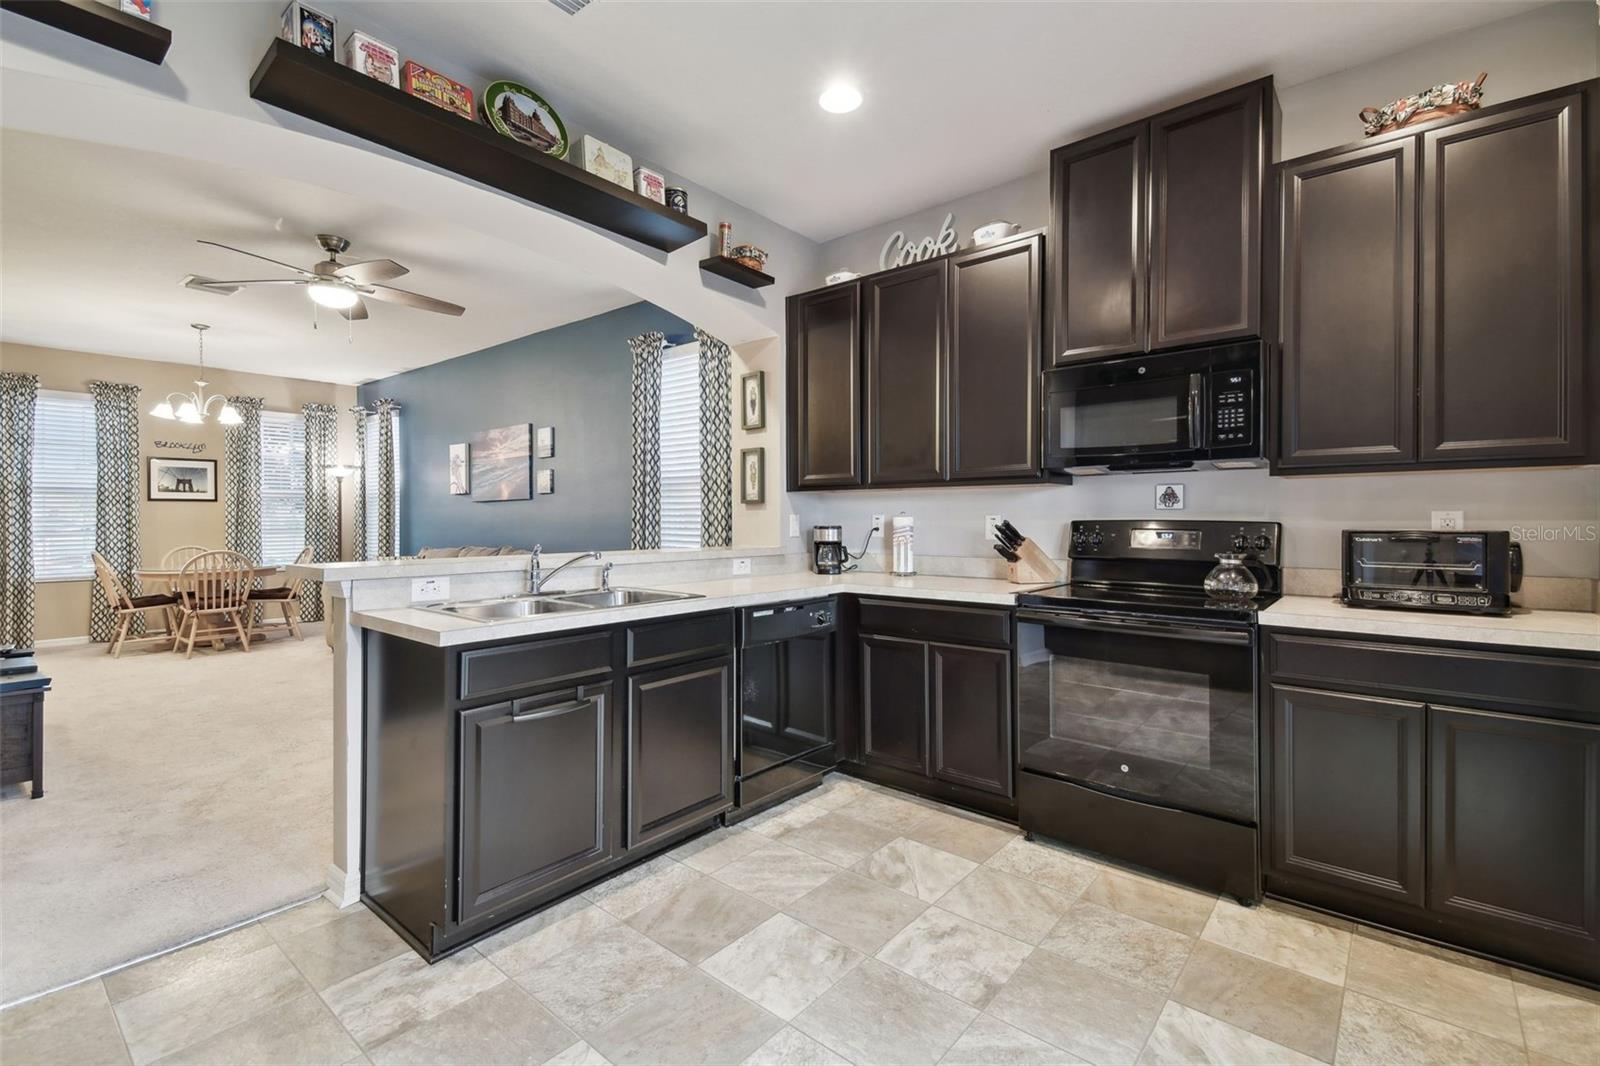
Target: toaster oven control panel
x,y
1456,601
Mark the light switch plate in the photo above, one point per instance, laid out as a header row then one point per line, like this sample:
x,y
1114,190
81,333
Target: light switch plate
x,y
794,525
741,566
429,588
989,522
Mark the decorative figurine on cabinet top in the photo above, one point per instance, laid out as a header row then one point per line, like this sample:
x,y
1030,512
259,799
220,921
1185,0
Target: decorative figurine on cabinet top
x,y
1440,101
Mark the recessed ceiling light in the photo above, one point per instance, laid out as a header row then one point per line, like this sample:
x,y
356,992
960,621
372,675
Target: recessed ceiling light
x,y
840,99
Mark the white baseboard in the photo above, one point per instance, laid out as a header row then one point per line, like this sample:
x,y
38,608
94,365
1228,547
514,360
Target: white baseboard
x,y
60,642
344,889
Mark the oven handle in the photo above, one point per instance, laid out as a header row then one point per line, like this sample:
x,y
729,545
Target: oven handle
x,y
1168,630
1196,402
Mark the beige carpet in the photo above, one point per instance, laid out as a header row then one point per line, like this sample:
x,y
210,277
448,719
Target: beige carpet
x,y
180,798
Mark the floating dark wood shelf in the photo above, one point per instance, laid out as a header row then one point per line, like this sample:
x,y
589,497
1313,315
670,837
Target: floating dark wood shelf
x,y
733,270
100,23
319,89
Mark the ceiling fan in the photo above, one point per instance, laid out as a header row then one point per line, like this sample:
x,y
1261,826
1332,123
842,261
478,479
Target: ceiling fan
x,y
342,287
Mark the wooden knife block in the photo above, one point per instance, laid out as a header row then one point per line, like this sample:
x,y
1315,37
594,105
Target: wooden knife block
x,y
1033,566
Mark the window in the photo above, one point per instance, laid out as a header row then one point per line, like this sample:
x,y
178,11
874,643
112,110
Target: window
x,y
369,490
283,486
63,486
680,447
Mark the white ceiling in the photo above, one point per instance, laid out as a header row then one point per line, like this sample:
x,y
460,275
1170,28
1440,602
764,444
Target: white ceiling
x,y
959,95
96,240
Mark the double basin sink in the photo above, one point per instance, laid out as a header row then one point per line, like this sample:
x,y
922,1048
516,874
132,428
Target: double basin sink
x,y
508,607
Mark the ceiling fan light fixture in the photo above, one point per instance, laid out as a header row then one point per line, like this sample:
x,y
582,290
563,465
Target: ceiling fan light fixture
x,y
332,294
229,415
162,410
839,99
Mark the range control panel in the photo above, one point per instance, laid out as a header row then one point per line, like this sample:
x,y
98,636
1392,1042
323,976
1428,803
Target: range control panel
x,y
1232,409
1173,539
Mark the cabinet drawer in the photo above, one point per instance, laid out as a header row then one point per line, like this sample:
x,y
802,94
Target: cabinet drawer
x,y
487,671
680,639
957,625
1551,685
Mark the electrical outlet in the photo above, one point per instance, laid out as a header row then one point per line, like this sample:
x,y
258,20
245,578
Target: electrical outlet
x,y
741,566
1449,520
794,525
429,588
989,522
877,522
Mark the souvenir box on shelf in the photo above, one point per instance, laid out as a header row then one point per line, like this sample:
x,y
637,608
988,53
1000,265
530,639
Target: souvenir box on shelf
x,y
437,89
650,184
310,29
372,57
604,161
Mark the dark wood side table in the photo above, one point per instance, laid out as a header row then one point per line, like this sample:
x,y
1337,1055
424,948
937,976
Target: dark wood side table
x,y
22,730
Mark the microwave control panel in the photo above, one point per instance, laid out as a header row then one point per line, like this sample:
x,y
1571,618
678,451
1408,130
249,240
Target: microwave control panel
x,y
1232,392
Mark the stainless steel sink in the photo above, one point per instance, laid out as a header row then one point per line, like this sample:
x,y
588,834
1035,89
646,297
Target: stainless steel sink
x,y
502,609
621,597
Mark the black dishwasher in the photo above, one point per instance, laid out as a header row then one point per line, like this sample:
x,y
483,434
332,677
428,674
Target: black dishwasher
x,y
786,701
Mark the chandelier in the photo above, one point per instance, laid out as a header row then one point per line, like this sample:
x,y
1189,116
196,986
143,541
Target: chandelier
x,y
195,407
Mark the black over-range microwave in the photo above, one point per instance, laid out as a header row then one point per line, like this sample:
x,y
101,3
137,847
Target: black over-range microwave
x,y
1167,411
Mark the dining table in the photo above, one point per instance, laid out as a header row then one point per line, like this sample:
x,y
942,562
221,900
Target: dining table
x,y
167,577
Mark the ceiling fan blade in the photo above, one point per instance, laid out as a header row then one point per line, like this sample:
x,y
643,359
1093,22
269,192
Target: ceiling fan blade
x,y
412,299
211,285
275,262
356,312
371,270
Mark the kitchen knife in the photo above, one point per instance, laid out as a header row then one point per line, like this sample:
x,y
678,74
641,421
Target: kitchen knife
x,y
1006,553
1011,531
1007,539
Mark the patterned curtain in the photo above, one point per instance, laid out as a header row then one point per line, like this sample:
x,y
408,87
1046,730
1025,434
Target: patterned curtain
x,y
18,396
716,442
645,525
388,496
322,506
241,479
358,511
116,496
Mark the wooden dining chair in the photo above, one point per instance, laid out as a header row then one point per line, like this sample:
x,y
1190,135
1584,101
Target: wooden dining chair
x,y
214,593
287,598
128,608
175,558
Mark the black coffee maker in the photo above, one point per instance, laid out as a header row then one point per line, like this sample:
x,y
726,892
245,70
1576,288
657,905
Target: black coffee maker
x,y
829,556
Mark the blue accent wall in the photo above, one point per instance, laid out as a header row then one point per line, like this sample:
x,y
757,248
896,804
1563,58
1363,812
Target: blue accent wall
x,y
577,378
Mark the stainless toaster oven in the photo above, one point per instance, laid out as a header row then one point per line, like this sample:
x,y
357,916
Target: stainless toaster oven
x,y
1430,570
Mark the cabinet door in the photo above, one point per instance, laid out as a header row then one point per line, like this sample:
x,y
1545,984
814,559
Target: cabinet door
x,y
680,747
995,326
894,702
907,376
1503,298
1206,162
1349,308
971,696
1514,829
824,387
536,788
1345,791
1097,245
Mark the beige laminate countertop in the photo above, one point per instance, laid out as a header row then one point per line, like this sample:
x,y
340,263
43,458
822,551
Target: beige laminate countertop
x,y
441,630
1523,628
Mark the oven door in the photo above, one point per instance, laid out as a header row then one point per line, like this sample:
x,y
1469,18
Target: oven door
x,y
1123,416
1161,711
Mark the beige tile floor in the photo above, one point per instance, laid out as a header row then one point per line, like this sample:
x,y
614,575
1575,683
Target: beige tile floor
x,y
851,925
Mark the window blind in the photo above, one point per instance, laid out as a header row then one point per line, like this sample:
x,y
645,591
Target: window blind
x,y
283,486
680,447
63,486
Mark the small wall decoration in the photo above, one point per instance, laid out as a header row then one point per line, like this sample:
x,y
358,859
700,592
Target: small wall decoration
x,y
501,466
516,111
897,251
546,438
193,447
372,57
753,396
1437,102
753,475
310,29
460,473
438,90
547,481
1169,497
604,161
182,478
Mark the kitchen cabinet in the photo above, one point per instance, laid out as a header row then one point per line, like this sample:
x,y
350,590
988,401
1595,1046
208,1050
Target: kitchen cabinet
x,y
824,395
1158,229
1449,791
680,737
970,690
1434,285
946,353
894,702
907,360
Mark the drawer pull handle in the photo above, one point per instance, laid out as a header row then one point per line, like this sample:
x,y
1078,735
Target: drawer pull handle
x,y
552,712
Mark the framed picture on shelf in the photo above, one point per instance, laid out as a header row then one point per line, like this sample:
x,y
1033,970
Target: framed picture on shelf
x,y
753,400
753,475
460,475
182,478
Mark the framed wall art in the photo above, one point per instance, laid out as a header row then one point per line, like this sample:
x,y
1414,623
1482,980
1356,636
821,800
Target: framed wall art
x,y
182,478
460,473
753,400
753,475
502,467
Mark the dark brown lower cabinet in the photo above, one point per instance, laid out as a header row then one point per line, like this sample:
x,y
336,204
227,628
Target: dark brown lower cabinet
x,y
971,690
894,702
680,741
535,781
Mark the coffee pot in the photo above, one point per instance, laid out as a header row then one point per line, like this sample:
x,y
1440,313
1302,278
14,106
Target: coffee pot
x,y
829,556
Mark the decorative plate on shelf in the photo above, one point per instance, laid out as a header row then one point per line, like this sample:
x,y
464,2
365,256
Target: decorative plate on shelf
x,y
516,111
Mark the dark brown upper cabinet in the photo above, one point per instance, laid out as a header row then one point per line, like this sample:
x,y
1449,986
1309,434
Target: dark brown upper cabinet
x,y
1435,293
1349,308
996,314
1158,229
907,354
824,387
1502,295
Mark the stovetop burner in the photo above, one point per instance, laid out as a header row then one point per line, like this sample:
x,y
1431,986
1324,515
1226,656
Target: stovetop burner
x,y
1171,602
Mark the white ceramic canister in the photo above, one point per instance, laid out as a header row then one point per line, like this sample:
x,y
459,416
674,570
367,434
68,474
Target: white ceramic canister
x,y
901,533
